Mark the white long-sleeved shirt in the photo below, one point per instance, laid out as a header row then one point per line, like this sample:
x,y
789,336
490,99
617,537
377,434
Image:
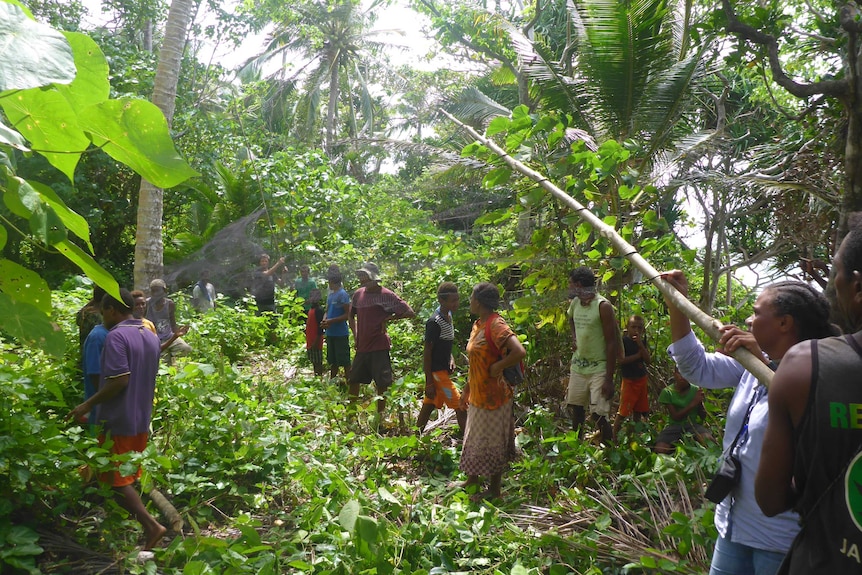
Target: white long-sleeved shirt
x,y
738,517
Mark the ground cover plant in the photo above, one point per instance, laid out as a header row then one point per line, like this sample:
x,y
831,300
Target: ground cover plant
x,y
273,471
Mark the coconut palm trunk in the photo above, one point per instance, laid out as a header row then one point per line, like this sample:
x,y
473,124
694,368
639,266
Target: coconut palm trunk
x,y
149,248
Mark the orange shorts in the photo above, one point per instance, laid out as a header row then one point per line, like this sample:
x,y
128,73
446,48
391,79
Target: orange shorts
x,y
633,396
446,393
124,444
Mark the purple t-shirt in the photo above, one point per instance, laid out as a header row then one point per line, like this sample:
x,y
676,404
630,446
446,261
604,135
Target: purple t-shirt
x,y
371,309
132,349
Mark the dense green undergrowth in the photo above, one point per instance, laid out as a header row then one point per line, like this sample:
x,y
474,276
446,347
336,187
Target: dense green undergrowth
x,y
274,471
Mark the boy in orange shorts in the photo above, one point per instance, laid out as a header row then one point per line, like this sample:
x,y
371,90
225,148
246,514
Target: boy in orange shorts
x,y
633,395
438,362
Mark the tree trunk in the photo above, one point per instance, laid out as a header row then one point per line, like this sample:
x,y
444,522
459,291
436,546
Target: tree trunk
x,y
148,237
852,200
331,107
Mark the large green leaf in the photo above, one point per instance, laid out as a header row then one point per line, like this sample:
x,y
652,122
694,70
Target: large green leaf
x,y
31,54
24,286
30,326
73,221
3,236
49,123
89,266
348,515
367,528
46,227
91,84
136,133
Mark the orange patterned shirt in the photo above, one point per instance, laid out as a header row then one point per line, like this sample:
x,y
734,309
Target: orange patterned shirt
x,y
486,392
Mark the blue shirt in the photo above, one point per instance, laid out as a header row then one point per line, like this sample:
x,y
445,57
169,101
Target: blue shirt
x,y
92,357
742,522
336,305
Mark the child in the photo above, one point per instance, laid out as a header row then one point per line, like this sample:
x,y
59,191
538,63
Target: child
x,y
335,324
314,333
438,362
684,404
633,395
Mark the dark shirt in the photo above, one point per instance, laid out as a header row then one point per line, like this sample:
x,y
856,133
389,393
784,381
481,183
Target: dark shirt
x,y
440,333
263,287
828,464
636,369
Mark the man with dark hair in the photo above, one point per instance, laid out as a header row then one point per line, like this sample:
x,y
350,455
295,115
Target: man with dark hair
x,y
204,294
335,326
161,310
372,307
90,315
123,403
812,448
594,357
263,283
437,362
303,285
92,359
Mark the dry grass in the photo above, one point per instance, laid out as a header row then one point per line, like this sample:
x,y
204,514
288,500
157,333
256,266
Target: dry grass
x,y
630,534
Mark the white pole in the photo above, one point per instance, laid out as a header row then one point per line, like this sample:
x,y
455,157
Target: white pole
x,y
707,323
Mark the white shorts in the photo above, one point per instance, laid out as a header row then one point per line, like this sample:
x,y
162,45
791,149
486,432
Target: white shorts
x,y
585,390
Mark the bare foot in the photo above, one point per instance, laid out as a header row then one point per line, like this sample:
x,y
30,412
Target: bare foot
x,y
154,536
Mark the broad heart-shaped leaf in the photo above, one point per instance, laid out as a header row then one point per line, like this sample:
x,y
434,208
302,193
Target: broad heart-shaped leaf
x,y
73,221
21,199
91,84
47,227
31,326
48,122
24,286
3,236
135,133
89,266
31,54
348,514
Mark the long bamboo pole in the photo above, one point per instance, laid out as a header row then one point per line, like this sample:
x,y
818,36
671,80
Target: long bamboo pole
x,y
707,323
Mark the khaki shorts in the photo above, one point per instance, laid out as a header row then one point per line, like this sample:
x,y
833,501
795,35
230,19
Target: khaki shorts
x,y
585,390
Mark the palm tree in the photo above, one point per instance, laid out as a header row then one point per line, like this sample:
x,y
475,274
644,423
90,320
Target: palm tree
x,y
626,74
334,43
149,248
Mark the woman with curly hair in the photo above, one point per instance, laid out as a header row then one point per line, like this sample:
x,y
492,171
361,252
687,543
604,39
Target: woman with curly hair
x,y
489,439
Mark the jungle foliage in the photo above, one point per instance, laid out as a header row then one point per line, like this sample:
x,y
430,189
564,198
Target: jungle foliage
x,y
641,109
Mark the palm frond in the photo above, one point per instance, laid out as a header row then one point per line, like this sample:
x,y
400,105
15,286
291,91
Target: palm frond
x,y
665,96
558,89
474,107
366,102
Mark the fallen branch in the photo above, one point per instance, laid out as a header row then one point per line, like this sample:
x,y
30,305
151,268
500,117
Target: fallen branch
x,y
707,323
168,510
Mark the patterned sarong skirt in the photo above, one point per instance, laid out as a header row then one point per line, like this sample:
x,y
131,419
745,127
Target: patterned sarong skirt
x,y
489,440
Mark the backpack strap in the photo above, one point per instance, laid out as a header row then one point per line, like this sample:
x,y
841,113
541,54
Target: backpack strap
x,y
488,340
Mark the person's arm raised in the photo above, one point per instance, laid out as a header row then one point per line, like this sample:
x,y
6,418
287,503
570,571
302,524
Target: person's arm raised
x,y
680,326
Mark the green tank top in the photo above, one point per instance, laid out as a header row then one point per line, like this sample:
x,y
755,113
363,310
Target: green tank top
x,y
590,356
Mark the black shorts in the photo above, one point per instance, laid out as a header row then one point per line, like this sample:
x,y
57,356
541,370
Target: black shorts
x,y
675,431
372,365
338,350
